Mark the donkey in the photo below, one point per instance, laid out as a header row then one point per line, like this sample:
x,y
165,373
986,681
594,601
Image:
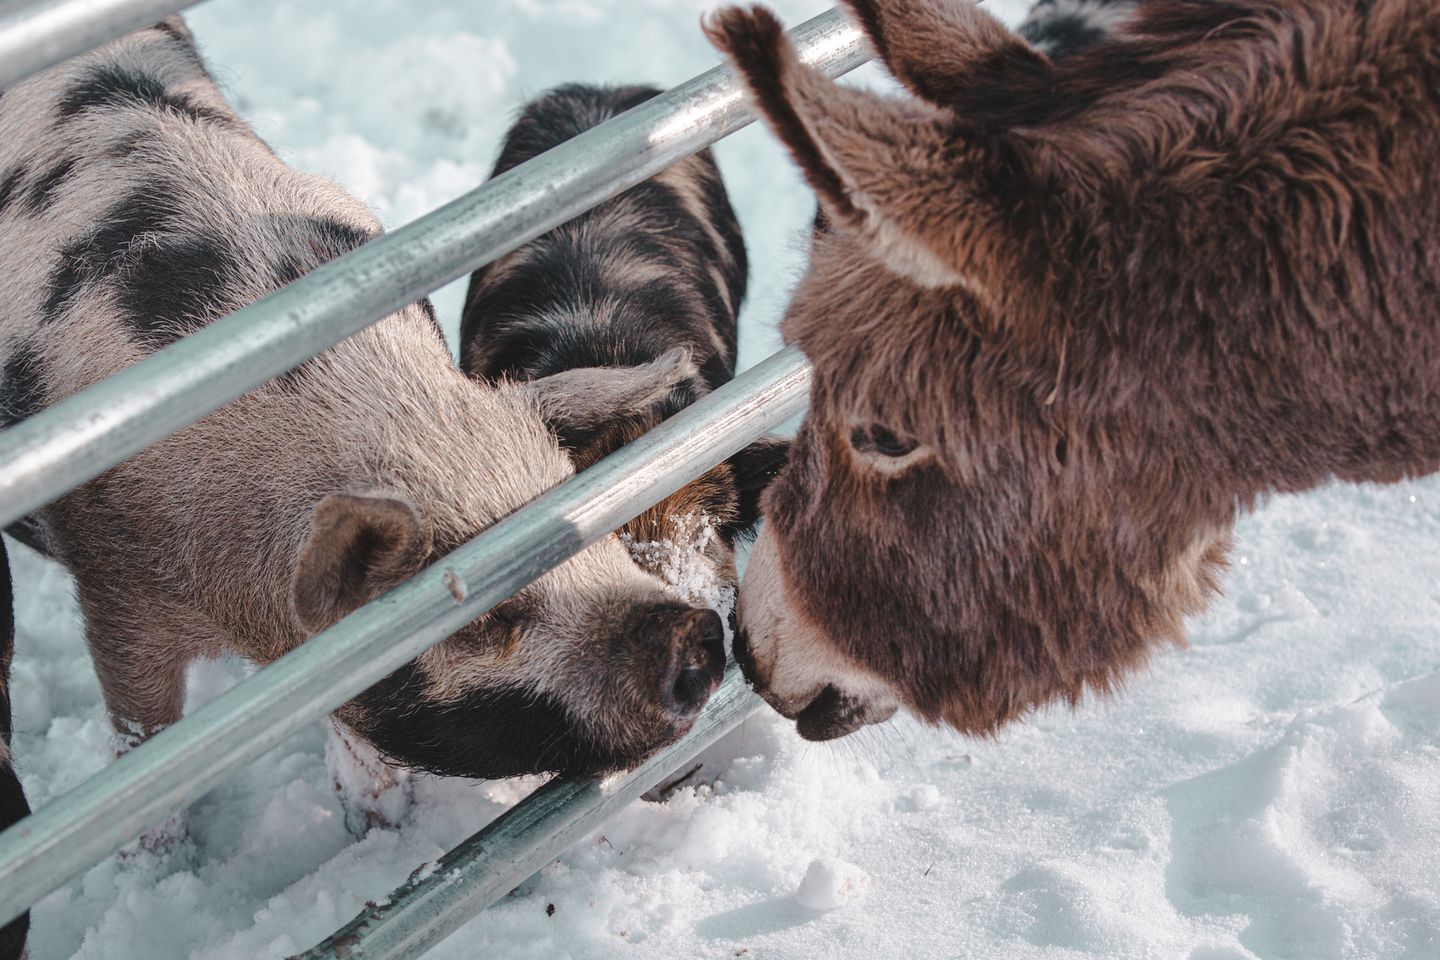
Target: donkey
x,y
659,268
1069,317
135,207
1058,28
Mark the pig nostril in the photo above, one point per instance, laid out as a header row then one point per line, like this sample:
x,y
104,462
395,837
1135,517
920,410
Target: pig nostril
x,y
712,637
695,662
691,690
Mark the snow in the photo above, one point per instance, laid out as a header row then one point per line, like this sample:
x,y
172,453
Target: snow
x,y
830,883
1270,792
925,796
683,563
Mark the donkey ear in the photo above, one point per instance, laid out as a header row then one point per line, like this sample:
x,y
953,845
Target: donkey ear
x,y
359,547
576,402
947,51
900,174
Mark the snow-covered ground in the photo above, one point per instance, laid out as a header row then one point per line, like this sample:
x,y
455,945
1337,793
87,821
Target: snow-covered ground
x,y
1272,792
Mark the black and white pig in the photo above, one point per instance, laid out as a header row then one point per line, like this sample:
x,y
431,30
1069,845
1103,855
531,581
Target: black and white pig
x,y
659,268
12,797
136,207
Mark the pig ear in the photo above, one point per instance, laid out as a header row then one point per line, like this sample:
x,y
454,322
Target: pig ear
x,y
892,171
359,547
754,468
576,402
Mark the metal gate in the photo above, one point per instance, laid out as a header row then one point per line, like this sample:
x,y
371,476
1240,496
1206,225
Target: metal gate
x,y
85,435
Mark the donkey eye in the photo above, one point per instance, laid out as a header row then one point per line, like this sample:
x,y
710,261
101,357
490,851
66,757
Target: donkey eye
x,y
878,439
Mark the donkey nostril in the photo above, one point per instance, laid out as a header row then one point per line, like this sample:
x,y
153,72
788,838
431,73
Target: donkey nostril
x,y
830,715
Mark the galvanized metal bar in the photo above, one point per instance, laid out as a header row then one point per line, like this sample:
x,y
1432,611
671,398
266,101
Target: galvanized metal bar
x,y
181,763
81,437
422,912
35,35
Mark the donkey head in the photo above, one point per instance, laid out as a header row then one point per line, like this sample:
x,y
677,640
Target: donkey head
x,y
969,525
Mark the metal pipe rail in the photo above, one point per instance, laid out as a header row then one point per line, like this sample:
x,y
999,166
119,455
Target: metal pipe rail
x,y
35,35
83,436
422,912
181,763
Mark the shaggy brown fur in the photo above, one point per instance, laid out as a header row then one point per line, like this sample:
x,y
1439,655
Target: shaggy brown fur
x,y
1094,307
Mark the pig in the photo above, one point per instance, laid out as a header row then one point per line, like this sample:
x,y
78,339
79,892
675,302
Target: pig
x,y
13,806
136,206
659,268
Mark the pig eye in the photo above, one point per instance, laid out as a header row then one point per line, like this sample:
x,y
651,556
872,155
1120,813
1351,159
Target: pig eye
x,y
512,614
881,440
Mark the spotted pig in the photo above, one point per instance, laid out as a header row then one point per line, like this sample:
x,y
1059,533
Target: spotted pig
x,y
136,206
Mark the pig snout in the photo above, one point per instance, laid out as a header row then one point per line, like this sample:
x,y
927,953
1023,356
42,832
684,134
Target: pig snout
x,y
689,647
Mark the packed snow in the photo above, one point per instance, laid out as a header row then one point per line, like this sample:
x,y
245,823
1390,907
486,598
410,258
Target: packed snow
x,y
682,561
1271,792
829,884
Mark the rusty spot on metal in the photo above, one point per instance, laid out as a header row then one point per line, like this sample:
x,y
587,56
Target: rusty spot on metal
x,y
455,585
